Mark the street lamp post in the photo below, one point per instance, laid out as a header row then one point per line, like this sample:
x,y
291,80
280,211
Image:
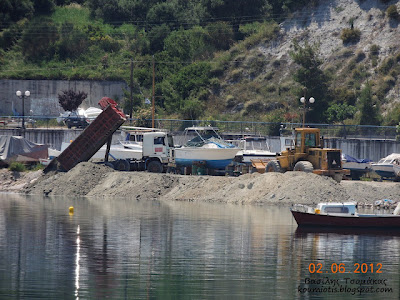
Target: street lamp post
x,y
20,95
303,100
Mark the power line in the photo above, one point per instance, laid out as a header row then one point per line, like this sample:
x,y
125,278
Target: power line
x,y
298,15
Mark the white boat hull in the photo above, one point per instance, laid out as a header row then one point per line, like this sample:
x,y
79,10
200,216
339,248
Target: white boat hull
x,y
119,152
396,169
384,170
248,155
116,151
384,167
215,158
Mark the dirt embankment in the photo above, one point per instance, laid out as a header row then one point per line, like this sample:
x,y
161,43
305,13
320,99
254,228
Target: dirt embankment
x,y
93,180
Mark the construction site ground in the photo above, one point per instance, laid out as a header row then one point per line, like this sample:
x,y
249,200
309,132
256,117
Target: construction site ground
x,y
94,180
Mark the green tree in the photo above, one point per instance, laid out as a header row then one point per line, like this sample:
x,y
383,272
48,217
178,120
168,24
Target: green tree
x,y
189,44
238,11
156,37
72,43
220,35
369,111
14,10
120,11
310,76
392,12
190,79
38,39
43,6
339,112
193,109
162,13
108,10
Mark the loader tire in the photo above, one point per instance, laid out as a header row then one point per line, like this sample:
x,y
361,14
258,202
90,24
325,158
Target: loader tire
x,y
155,167
338,177
273,166
303,166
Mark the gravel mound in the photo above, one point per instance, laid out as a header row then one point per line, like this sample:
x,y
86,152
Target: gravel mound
x,y
289,187
79,181
94,180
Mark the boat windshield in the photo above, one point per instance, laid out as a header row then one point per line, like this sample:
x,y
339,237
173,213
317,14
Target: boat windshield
x,y
198,137
337,210
256,144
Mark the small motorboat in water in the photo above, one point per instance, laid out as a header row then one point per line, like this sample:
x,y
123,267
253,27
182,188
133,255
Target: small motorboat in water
x,y
335,214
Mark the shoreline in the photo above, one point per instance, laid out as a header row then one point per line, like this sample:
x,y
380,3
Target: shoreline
x,y
93,180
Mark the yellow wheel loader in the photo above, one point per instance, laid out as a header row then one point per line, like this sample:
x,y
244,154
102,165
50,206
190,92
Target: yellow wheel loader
x,y
308,155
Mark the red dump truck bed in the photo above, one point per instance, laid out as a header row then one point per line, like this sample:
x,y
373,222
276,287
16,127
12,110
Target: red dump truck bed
x,y
92,138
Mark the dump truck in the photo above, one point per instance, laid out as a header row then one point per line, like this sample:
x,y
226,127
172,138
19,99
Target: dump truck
x,y
152,156
91,139
309,155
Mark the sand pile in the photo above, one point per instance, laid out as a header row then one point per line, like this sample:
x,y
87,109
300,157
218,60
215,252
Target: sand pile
x,y
13,181
77,182
89,179
290,187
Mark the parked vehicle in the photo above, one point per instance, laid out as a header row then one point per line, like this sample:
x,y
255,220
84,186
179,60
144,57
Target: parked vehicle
x,y
74,120
91,139
308,155
153,156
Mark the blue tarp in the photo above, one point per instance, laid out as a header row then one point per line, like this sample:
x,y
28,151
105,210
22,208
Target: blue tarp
x,y
348,158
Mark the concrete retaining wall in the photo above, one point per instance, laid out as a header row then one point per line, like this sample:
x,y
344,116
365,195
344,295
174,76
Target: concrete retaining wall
x,y
44,95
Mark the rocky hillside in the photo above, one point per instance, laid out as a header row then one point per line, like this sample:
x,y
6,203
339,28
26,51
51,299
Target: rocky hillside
x,y
374,57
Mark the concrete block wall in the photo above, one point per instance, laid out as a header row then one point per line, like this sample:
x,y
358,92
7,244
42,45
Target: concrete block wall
x,y
43,100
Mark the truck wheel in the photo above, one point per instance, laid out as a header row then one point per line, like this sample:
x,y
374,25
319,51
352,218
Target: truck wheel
x,y
303,166
122,165
155,167
273,166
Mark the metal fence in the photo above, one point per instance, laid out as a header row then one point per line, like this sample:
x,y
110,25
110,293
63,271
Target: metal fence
x,y
239,128
275,129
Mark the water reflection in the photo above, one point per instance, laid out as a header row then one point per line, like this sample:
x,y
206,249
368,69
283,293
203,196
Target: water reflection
x,y
125,249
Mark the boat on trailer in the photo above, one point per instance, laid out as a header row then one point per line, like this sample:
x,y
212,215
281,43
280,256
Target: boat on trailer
x,y
337,214
384,167
253,147
204,144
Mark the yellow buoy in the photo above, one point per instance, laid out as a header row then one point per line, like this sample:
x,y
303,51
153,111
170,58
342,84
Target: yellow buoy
x,y
71,210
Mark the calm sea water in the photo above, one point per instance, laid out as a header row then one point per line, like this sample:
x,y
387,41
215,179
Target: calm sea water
x,y
126,249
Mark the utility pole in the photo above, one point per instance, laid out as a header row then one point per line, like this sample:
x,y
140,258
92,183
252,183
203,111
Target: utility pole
x,y
131,95
153,100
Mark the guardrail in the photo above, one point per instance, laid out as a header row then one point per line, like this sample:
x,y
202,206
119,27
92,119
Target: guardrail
x,y
238,128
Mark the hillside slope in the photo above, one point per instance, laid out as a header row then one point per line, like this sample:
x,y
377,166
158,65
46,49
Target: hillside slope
x,y
349,65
